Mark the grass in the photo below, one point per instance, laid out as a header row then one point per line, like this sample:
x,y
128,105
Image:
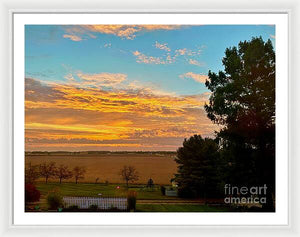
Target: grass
x,y
80,189
111,190
92,190
179,208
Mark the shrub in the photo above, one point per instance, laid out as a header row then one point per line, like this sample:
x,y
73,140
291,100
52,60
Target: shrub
x,y
31,193
54,200
93,207
150,183
163,190
131,200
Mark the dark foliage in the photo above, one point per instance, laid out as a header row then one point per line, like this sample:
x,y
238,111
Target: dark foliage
x,y
47,170
63,172
163,190
243,103
31,193
131,200
54,200
150,183
32,173
198,168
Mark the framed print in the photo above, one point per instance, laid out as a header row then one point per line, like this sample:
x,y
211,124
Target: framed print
x,y
165,119
169,117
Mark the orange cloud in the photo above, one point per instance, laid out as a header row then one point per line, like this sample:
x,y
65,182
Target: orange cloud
x,y
101,79
122,31
196,77
68,115
73,37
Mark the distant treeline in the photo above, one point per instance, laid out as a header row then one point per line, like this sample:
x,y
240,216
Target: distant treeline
x,y
49,153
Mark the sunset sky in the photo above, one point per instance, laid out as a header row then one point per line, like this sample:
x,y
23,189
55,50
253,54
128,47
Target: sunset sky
x,y
122,87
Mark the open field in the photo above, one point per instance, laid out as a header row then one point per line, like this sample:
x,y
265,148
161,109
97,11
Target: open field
x,y
106,166
159,166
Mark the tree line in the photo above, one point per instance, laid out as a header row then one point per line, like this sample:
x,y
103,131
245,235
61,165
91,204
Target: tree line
x,y
50,170
63,172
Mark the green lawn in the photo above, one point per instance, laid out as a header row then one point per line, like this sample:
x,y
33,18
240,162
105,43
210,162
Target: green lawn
x,y
92,190
178,208
111,190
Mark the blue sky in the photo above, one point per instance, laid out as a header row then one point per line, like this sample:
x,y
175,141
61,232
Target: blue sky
x,y
74,73
50,57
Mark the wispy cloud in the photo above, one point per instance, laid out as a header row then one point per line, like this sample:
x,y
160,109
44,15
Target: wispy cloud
x,y
187,52
70,77
73,37
162,46
142,58
196,62
107,45
101,79
169,56
122,31
196,77
93,80
272,36
78,116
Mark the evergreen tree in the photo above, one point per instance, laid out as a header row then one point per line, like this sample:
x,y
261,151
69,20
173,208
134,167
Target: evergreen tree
x,y
243,103
198,173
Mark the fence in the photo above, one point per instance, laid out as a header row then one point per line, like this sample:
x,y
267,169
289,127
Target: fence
x,y
171,193
102,203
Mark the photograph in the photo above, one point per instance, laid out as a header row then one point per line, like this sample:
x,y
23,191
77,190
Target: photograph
x,y
149,118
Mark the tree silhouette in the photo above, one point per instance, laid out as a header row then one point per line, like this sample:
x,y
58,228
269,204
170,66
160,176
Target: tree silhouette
x,y
32,173
78,173
63,172
198,168
47,170
150,183
129,174
243,103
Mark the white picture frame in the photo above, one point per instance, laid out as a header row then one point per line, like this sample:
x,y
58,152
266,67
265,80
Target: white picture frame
x,y
7,225
280,217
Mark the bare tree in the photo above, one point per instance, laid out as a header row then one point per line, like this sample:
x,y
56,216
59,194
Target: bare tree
x,y
47,170
63,172
78,173
31,173
129,174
